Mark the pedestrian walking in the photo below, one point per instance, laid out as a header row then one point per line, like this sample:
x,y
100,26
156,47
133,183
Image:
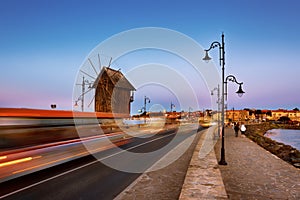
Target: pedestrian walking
x,y
243,129
236,129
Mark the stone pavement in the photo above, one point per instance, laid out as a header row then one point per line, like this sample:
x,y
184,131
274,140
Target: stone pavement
x,y
254,173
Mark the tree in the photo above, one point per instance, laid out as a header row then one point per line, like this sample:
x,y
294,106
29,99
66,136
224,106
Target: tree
x,y
295,109
258,114
284,119
251,112
269,113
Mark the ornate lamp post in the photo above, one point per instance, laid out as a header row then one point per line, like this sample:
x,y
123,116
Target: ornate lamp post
x,y
146,100
222,64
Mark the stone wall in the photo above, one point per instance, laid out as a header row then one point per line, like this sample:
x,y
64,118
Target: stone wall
x,y
287,153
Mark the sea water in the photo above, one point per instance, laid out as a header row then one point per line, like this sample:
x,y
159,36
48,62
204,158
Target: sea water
x,y
287,136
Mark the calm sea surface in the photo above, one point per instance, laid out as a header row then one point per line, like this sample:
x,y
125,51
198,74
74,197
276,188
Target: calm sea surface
x,y
286,136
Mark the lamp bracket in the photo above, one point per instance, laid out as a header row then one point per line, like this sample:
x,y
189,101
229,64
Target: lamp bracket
x,y
232,79
214,45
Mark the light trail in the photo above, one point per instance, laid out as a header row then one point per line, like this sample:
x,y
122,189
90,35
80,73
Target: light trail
x,y
66,158
3,157
15,161
80,167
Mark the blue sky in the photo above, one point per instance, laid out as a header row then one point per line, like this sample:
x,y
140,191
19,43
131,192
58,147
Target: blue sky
x,y
43,44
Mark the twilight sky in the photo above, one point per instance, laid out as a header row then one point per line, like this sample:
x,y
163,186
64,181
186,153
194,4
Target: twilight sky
x,y
44,43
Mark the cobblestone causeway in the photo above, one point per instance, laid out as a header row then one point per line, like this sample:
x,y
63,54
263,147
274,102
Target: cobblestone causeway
x,y
254,173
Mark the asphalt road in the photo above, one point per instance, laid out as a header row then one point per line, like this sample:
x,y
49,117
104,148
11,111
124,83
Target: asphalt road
x,y
87,177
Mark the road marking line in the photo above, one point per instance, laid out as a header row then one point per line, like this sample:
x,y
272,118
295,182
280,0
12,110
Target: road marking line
x,y
129,187
135,146
77,168
48,179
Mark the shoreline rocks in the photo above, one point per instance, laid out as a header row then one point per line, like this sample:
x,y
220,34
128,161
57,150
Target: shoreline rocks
x,y
256,132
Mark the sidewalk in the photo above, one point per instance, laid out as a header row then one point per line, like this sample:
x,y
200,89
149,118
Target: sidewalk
x,y
254,173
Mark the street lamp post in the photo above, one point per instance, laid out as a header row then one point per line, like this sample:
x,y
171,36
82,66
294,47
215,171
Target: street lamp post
x,y
190,109
83,92
222,64
172,106
146,99
233,114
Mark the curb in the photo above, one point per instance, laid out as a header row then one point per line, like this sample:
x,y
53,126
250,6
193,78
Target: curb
x,y
203,179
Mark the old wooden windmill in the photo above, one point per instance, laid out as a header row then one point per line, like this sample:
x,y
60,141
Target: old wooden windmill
x,y
113,93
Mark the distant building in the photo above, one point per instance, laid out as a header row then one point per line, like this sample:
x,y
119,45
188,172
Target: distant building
x,y
294,115
114,93
261,115
237,115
